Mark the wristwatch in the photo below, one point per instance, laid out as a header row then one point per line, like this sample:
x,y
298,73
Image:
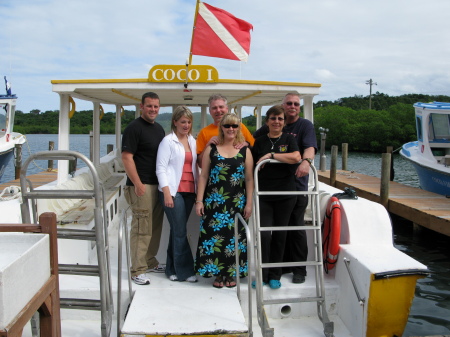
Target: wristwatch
x,y
309,160
272,154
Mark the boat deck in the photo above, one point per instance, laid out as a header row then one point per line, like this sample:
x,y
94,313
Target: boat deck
x,y
424,208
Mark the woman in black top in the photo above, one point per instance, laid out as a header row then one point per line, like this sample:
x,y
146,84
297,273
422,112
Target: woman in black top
x,y
275,210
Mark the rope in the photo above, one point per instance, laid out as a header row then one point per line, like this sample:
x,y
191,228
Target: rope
x,y
34,162
13,192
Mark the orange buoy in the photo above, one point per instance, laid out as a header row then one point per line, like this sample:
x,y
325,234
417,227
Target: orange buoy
x,y
331,234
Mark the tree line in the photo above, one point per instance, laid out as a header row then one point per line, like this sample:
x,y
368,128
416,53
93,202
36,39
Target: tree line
x,y
390,122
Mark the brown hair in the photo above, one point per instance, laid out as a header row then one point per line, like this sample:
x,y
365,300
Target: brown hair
x,y
275,110
181,111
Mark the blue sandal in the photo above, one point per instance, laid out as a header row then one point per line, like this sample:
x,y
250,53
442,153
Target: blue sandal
x,y
254,284
274,284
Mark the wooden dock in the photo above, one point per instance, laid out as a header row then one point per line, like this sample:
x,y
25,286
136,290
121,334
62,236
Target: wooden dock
x,y
37,179
424,208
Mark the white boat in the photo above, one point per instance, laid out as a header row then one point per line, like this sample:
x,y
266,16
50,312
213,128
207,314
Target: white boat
x,y
430,154
368,292
8,138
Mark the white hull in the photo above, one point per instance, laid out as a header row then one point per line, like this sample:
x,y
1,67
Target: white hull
x,y
366,242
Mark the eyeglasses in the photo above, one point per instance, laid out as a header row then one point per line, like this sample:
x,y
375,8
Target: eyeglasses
x,y
227,126
293,103
276,118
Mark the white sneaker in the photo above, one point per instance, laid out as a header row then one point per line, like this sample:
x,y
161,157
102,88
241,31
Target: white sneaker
x,y
192,279
160,268
141,279
173,278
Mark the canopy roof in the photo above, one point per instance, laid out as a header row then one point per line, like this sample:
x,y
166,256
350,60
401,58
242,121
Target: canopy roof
x,y
173,91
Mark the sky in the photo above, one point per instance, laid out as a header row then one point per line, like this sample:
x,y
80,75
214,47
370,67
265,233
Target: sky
x,y
402,45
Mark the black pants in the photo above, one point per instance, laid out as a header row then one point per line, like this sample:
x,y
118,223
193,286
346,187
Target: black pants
x,y
296,242
274,213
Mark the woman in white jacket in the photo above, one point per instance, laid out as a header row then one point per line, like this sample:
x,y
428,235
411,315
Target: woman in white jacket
x,y
177,177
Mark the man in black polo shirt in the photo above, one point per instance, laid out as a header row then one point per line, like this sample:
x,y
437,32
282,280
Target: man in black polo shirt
x,y
140,143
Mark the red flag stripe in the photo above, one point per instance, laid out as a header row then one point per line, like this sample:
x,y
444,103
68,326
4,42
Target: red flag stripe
x,y
220,34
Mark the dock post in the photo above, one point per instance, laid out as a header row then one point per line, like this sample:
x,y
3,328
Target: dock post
x,y
390,149
91,145
323,157
51,147
109,148
18,160
334,154
385,173
344,156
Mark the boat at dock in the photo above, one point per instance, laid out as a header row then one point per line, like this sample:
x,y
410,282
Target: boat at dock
x,y
8,138
430,153
367,293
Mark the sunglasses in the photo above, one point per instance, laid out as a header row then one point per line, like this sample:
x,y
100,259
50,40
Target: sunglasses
x,y
276,118
227,126
293,103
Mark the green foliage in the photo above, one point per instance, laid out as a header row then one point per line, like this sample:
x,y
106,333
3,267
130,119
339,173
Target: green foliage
x,y
390,122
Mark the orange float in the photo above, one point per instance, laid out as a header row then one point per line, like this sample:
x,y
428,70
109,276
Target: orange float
x,y
331,234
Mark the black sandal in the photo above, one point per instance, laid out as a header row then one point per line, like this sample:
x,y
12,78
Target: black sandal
x,y
218,282
230,282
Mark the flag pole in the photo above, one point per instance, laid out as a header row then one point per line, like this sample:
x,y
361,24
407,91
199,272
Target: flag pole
x,y
193,29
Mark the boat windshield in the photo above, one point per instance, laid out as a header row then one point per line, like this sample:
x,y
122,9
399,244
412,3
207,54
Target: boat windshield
x,y
3,121
439,127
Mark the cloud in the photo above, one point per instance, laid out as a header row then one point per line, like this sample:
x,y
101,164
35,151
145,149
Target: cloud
x,y
400,44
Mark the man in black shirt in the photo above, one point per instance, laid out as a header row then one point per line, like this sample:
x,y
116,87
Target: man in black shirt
x,y
140,143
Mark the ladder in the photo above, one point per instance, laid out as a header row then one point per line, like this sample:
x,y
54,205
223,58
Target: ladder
x,y
266,330
99,233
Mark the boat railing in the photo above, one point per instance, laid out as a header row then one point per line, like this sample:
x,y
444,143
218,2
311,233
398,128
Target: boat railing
x,y
122,235
318,258
248,233
99,234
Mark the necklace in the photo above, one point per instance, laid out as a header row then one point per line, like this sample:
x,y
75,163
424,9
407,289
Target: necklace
x,y
273,143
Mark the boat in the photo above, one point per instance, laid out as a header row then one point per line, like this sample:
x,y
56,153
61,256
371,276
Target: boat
x,y
368,292
8,138
430,153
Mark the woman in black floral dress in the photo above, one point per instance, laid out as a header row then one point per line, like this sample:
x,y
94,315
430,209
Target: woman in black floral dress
x,y
225,188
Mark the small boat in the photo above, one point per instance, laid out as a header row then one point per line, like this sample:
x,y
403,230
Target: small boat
x,y
8,138
367,292
430,154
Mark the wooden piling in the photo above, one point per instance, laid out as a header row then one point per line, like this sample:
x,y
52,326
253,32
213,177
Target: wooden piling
x,y
385,179
91,145
51,147
333,166
390,149
18,160
344,156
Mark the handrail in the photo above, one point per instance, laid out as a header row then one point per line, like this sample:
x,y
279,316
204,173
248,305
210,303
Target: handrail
x,y
318,258
122,229
347,264
249,237
101,230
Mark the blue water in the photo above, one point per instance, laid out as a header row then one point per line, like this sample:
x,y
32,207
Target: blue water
x,y
430,311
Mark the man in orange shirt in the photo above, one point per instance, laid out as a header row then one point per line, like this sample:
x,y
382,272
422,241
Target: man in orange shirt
x,y
208,135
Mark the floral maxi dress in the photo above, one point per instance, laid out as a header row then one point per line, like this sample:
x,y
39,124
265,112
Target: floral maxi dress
x,y
224,197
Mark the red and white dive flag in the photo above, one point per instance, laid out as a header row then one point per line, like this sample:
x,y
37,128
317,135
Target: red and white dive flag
x,y
218,33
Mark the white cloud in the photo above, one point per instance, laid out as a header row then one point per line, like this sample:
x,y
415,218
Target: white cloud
x,y
402,45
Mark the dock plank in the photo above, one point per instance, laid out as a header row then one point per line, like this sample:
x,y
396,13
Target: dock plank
x,y
37,179
424,208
